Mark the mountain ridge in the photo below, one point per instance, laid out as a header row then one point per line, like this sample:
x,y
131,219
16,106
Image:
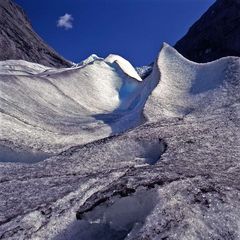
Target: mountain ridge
x,y
19,41
216,34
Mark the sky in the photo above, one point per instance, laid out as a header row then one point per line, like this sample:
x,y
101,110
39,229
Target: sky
x,y
134,29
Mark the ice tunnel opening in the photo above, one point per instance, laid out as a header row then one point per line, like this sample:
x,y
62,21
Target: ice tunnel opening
x,y
118,218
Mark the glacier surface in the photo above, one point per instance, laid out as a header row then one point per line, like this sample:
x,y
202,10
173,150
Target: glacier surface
x,y
49,110
130,158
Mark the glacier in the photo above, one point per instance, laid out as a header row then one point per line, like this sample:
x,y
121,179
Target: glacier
x,y
190,89
52,109
126,157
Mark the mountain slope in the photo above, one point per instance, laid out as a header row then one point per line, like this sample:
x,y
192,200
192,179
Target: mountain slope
x,y
216,34
19,41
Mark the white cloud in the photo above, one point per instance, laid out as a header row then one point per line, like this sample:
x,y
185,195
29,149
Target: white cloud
x,y
65,21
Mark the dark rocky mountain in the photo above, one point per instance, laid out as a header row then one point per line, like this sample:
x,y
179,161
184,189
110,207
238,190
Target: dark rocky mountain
x,y
19,41
216,34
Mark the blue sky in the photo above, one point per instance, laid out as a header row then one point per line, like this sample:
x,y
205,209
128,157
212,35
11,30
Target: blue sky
x,y
134,29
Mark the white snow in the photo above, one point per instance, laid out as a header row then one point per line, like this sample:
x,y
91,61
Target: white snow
x,y
51,109
21,67
90,59
48,110
124,65
185,87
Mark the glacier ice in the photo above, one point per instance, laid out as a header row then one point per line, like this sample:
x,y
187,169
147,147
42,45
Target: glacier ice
x,y
187,88
20,156
53,109
182,145
124,65
116,219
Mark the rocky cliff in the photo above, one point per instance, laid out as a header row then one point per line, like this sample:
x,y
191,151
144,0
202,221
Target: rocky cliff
x,y
216,34
19,41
